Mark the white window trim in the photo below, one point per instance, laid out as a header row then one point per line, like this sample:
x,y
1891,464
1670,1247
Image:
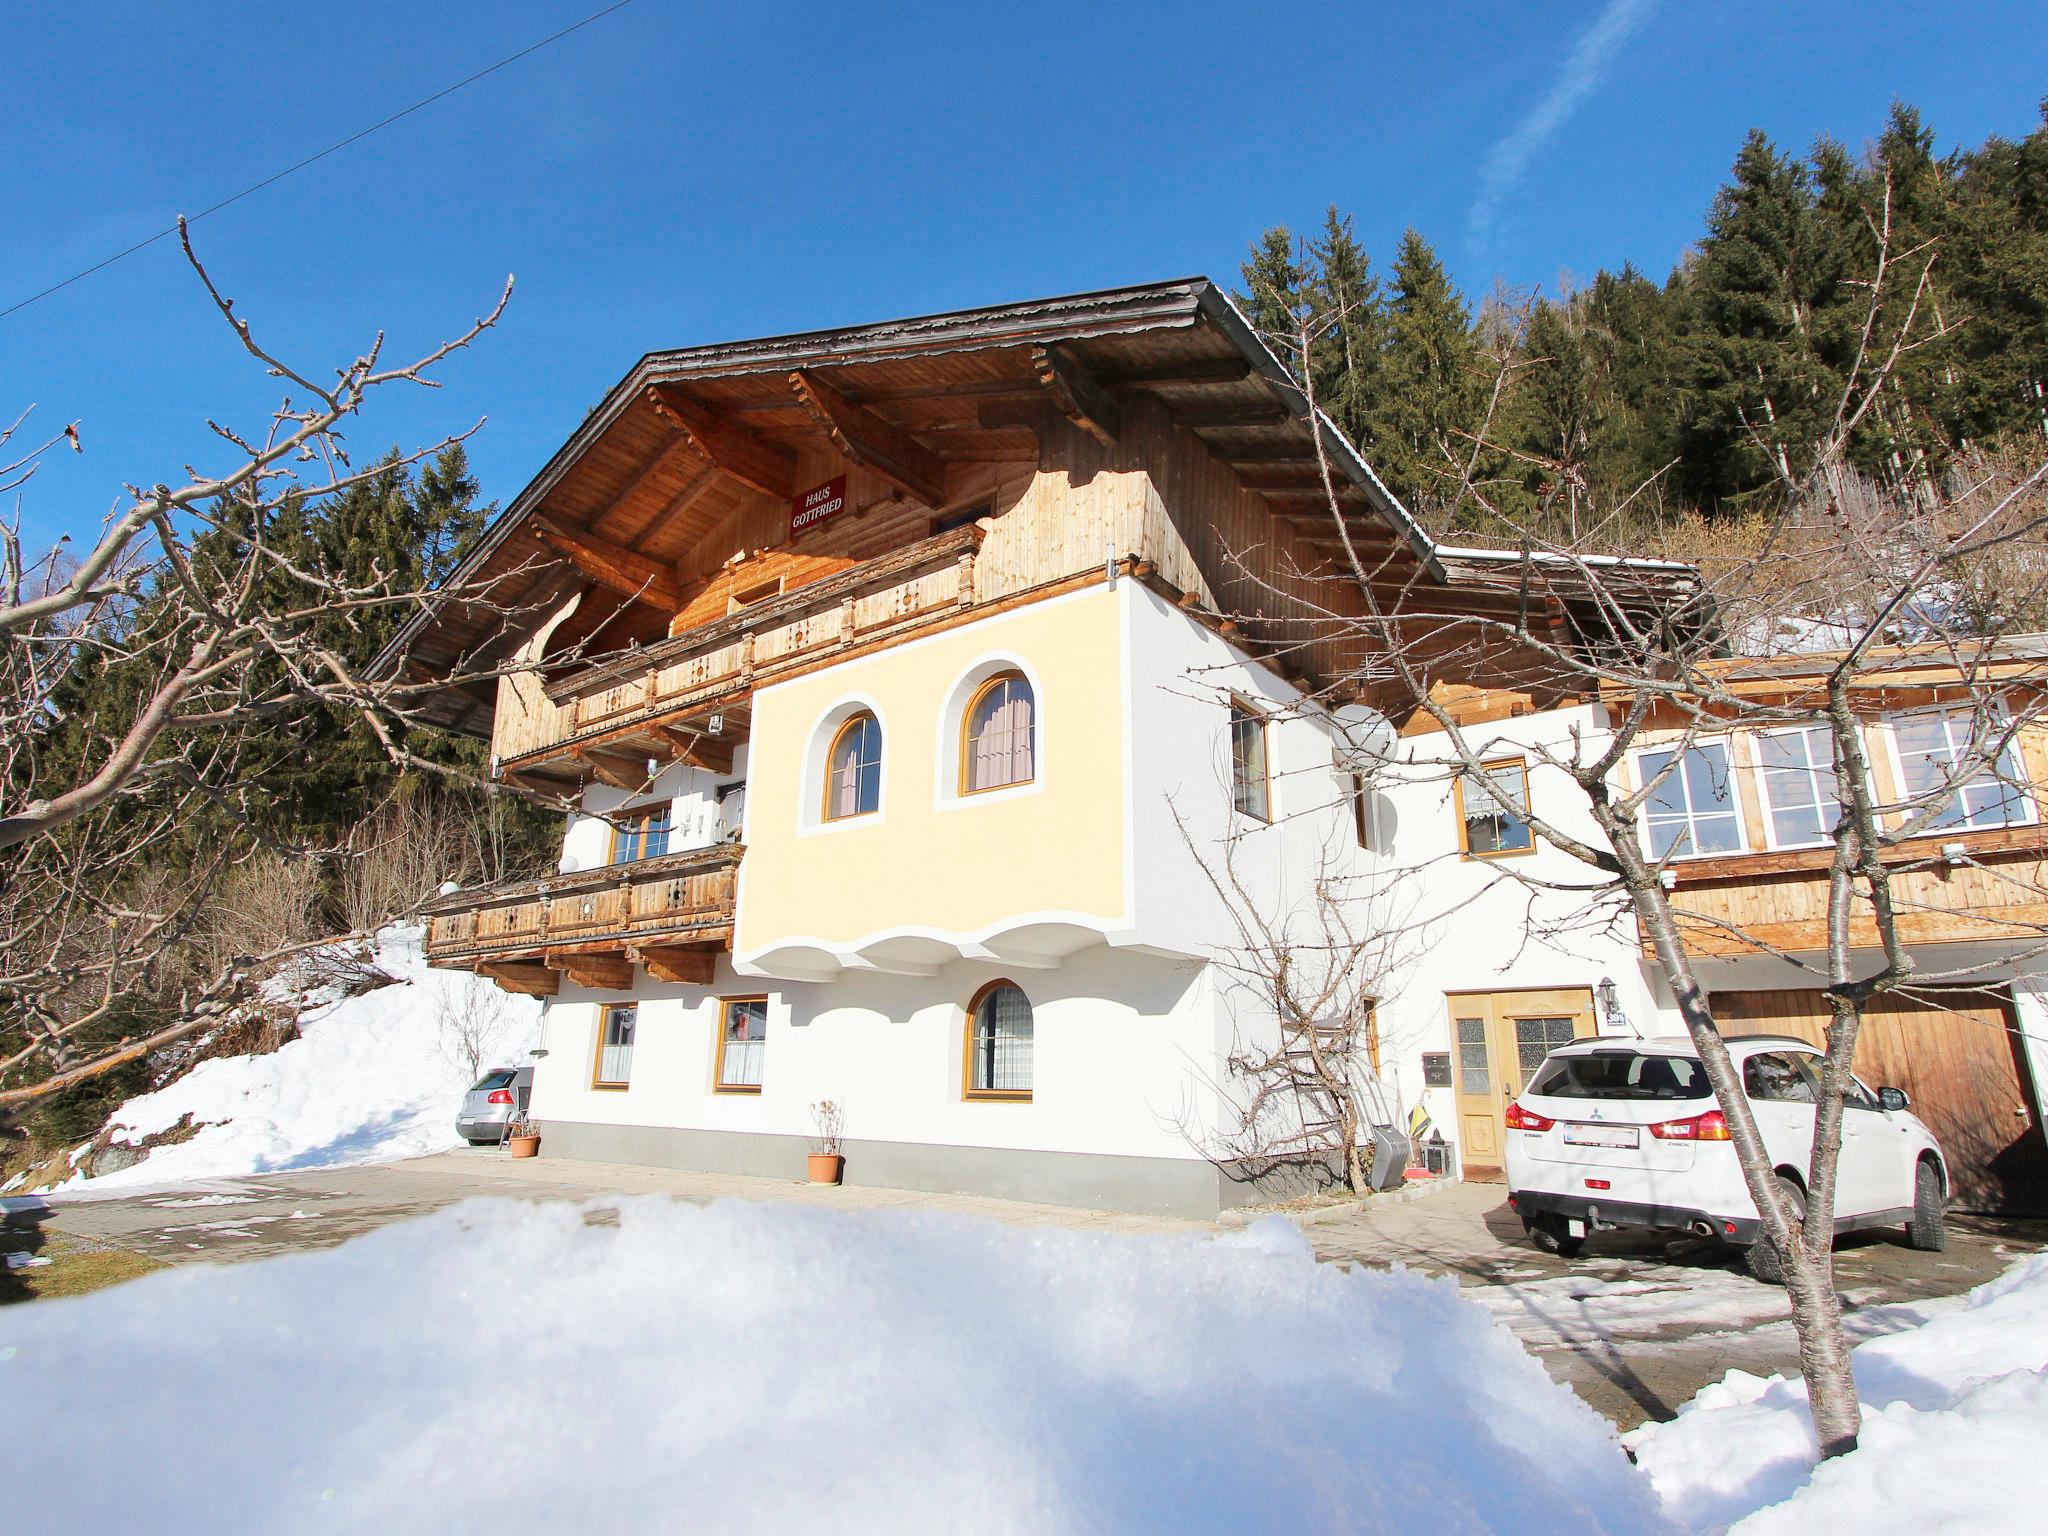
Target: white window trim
x,y
810,811
1734,790
946,793
1763,791
2029,801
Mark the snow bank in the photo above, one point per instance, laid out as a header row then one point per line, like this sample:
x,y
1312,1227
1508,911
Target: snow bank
x,y
370,1078
1955,1419
749,1367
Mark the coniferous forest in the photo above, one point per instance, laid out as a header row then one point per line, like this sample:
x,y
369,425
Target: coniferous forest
x,y
1697,395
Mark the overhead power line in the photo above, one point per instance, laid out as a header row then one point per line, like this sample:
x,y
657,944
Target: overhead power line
x,y
335,147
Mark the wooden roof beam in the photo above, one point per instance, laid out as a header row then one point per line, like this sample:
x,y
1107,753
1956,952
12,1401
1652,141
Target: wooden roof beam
x,y
601,973
514,976
699,749
673,962
868,440
764,465
1080,398
629,774
1204,370
611,565
1262,413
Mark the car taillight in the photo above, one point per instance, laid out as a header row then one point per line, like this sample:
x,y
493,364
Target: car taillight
x,y
1712,1126
500,1096
1520,1119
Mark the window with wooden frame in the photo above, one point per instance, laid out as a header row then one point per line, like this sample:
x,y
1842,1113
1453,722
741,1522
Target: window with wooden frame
x,y
997,1064
853,769
760,592
1250,789
1970,753
1493,812
998,735
1361,811
1797,784
640,832
616,1025
1692,812
742,1042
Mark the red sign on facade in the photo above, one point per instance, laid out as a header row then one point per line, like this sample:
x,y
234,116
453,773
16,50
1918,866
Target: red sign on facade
x,y
817,505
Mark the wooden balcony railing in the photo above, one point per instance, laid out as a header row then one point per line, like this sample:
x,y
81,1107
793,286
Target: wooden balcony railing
x,y
878,598
681,900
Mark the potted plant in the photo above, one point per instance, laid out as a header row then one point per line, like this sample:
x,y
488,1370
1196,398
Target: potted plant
x,y
825,1164
522,1138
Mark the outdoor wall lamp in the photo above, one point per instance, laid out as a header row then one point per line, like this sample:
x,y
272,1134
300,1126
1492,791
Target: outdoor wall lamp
x,y
1610,999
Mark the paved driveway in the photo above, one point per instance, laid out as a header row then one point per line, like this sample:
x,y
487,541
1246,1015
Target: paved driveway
x,y
1635,1326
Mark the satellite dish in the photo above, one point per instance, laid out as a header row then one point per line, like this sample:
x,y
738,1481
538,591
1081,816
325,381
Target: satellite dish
x,y
448,888
1363,736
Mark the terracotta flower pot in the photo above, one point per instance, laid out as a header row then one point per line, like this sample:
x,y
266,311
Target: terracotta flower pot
x,y
826,1167
524,1146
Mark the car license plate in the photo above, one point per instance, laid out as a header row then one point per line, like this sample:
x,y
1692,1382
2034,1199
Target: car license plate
x,y
1622,1136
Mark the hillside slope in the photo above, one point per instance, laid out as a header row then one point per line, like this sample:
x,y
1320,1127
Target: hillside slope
x,y
371,1078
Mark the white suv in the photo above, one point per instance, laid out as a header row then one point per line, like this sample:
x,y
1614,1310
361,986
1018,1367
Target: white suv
x,y
1612,1133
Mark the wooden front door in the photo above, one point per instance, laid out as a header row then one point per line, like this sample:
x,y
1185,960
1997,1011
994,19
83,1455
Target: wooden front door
x,y
1956,1051
1498,1039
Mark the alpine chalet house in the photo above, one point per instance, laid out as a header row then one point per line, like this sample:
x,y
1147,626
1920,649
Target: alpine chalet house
x,y
909,678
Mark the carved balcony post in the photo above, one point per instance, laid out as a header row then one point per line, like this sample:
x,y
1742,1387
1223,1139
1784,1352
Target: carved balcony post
x,y
966,594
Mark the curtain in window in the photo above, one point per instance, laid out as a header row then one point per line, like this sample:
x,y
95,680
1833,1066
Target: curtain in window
x,y
854,782
1497,813
746,1031
1002,1042
999,734
615,1054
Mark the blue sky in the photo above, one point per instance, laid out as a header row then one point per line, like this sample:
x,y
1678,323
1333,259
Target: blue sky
x,y
681,173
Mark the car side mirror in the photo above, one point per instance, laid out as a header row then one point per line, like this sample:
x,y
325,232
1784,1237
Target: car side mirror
x,y
1893,1098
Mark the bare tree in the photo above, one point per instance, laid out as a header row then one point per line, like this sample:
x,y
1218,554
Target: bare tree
x,y
1307,963
1844,602
220,631
471,1021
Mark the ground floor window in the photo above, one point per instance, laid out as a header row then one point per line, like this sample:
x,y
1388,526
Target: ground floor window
x,y
742,1039
615,1027
999,1031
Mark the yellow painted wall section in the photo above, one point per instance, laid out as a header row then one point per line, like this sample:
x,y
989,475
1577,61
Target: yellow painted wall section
x,y
929,859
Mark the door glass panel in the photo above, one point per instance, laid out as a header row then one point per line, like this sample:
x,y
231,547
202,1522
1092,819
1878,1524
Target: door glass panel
x,y
1534,1040
1474,1075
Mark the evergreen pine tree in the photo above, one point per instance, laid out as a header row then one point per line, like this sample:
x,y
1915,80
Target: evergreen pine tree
x,y
1432,389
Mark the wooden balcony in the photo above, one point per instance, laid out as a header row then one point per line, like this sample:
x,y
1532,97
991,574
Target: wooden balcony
x,y
1996,890
671,915
653,701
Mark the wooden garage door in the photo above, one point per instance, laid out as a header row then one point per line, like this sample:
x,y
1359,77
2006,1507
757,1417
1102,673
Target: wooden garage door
x,y
1957,1053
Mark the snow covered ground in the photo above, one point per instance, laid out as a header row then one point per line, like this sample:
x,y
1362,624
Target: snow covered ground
x,y
753,1367
1954,1428
370,1078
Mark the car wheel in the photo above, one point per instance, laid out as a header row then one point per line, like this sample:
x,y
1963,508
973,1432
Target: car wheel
x,y
1761,1258
1928,1230
1550,1234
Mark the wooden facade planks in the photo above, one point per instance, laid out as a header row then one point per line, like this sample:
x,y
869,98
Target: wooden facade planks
x,y
1956,1052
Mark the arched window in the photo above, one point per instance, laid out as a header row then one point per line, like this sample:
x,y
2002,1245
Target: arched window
x,y
998,735
999,1043
853,769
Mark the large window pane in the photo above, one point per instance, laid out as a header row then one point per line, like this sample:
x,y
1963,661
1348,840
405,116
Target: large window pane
x,y
1800,787
853,769
1496,809
742,1043
616,1027
1692,810
999,735
1937,755
1000,1043
1248,789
